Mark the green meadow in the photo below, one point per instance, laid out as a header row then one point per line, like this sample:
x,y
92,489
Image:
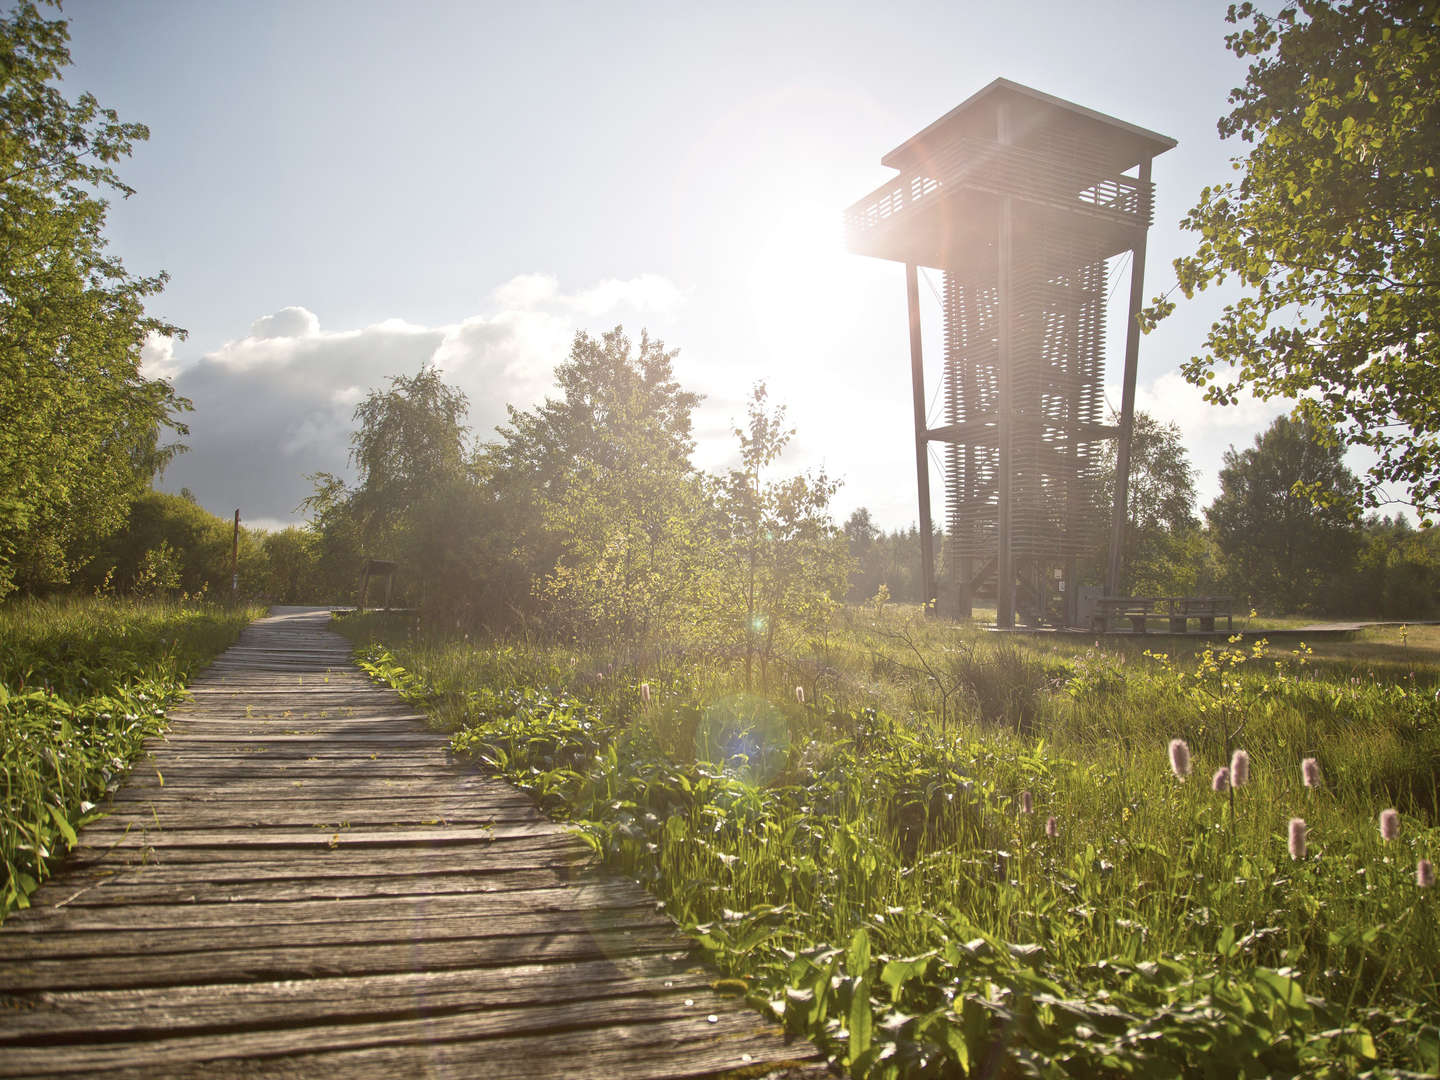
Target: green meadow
x,y
934,849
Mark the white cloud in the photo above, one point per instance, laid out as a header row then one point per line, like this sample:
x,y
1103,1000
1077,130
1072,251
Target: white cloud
x,y
647,292
644,292
527,291
278,404
1170,399
290,322
157,357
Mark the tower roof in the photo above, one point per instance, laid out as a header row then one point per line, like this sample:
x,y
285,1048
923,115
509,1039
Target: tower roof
x,y
1034,119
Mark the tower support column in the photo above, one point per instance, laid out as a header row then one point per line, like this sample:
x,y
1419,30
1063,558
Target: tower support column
x,y
1114,581
922,431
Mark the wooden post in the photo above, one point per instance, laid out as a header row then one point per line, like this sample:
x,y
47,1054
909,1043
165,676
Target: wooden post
x,y
922,451
364,585
389,580
1005,354
1114,576
235,560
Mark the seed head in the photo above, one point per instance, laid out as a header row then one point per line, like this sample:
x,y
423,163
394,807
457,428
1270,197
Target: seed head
x,y
1389,824
1239,768
1221,780
1052,827
1180,758
800,694
1027,804
1297,838
645,692
1310,772
1424,874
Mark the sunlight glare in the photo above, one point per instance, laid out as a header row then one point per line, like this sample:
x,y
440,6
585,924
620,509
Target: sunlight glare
x,y
793,280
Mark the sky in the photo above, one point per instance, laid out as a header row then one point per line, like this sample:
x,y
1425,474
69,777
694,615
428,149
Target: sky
x,y
342,192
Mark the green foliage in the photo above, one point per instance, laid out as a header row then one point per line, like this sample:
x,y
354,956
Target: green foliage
x,y
781,561
878,888
159,572
585,519
1165,551
79,424
600,483
292,567
1329,230
340,550
172,544
411,441
413,502
1397,574
1284,521
83,682
891,560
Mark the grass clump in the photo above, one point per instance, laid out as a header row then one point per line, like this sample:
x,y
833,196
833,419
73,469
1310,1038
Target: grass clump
x,y
998,869
83,682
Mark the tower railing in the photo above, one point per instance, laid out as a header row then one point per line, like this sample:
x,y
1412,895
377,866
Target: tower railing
x,y
1065,181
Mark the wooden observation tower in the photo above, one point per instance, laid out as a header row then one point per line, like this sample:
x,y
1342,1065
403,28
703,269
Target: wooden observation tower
x,y
1022,199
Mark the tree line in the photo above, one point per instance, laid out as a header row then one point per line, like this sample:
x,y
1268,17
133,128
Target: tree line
x,y
585,517
1288,532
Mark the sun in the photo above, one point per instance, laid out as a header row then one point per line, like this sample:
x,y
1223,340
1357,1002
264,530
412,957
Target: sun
x,y
798,261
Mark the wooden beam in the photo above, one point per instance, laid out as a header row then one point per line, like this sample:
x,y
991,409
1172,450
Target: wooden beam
x,y
1114,578
1005,354
922,458
985,431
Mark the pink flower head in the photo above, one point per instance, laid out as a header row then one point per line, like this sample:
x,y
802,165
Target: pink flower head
x,y
1221,780
1297,838
800,694
1052,827
645,692
1310,772
1027,804
1389,824
1180,758
1424,874
1239,768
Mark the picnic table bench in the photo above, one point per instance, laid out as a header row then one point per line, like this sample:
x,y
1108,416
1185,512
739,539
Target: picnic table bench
x,y
1135,608
1177,611
1204,608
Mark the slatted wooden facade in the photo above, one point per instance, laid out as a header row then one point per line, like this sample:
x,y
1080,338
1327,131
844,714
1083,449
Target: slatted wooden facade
x,y
1022,200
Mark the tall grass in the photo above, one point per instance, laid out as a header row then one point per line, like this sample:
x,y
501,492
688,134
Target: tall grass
x,y
83,681
868,874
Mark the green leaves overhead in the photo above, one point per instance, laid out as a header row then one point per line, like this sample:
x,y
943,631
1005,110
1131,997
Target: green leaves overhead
x,y
1330,230
79,423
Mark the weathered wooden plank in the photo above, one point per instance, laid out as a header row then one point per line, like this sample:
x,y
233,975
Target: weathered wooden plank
x,y
181,816
148,944
95,1015
669,1017
143,918
245,856
615,1053
145,784
302,800
313,839
256,962
281,884
136,868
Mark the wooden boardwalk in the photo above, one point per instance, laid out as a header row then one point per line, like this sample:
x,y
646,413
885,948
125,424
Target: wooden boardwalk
x,y
299,881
